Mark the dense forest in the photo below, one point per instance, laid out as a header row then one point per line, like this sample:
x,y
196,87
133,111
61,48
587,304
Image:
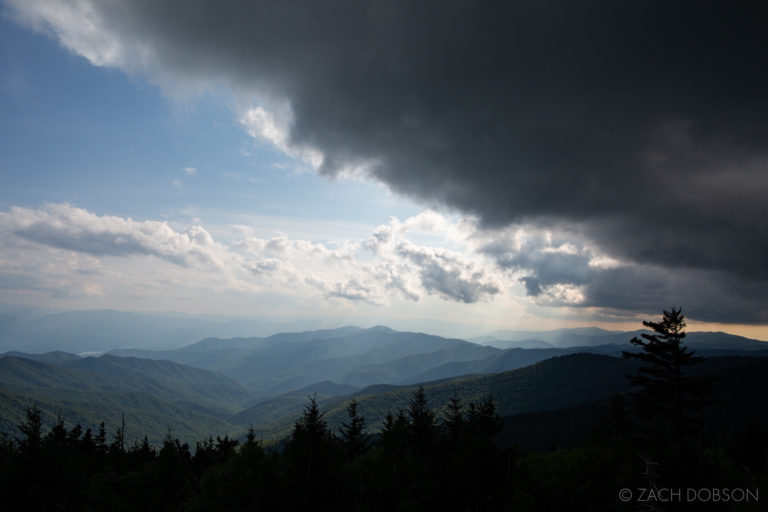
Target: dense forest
x,y
418,461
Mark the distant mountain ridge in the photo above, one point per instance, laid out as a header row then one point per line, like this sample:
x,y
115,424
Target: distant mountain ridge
x,y
359,357
55,357
593,336
349,355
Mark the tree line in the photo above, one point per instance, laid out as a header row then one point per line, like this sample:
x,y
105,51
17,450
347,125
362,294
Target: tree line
x,y
417,461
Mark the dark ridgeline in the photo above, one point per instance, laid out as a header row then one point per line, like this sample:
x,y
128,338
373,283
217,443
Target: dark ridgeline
x,y
667,432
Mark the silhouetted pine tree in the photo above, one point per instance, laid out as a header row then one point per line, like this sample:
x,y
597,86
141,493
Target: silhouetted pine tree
x,y
483,420
101,438
394,433
312,455
352,432
174,478
668,401
666,393
32,431
422,423
453,421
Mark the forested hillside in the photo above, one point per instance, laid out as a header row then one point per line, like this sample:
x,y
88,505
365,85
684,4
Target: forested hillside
x,y
152,396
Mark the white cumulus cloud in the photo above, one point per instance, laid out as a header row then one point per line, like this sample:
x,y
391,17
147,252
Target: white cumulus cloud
x,y
67,227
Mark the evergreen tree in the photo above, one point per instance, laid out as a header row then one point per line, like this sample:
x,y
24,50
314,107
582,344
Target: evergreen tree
x,y
173,477
310,439
312,458
225,447
118,445
422,422
32,431
101,438
483,420
75,434
143,452
669,401
453,422
353,436
665,391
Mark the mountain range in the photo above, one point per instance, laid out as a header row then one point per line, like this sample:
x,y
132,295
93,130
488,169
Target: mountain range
x,y
379,355
226,385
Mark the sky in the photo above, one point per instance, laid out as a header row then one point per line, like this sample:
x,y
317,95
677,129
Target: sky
x,y
441,166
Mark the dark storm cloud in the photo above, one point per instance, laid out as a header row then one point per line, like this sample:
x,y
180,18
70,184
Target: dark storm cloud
x,y
560,259
642,124
705,295
550,267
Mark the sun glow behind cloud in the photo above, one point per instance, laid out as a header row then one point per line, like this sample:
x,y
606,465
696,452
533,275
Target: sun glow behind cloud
x,y
60,252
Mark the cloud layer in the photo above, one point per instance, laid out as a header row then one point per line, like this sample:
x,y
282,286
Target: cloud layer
x,y
66,251
65,227
374,270
640,127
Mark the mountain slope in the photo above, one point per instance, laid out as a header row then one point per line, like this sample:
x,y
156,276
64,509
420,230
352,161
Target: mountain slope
x,y
155,395
551,384
145,414
198,388
738,385
509,359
